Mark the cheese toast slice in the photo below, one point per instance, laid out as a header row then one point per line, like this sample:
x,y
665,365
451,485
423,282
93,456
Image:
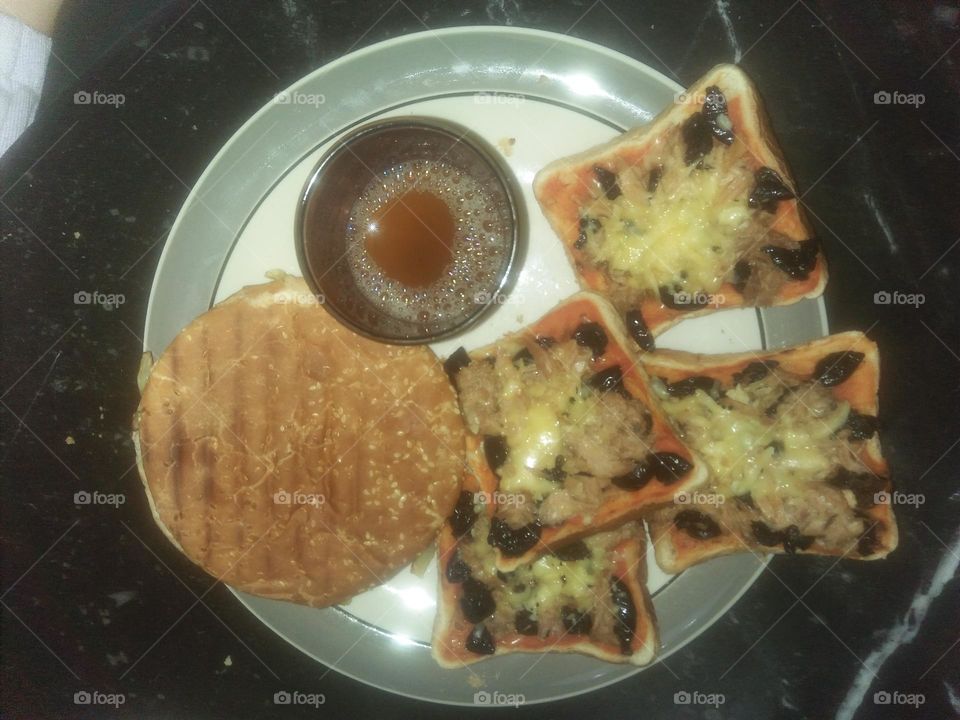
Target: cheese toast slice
x,y
694,212
589,598
790,437
561,423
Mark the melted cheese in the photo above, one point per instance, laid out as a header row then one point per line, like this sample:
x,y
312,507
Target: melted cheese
x,y
684,238
478,553
740,449
535,408
551,583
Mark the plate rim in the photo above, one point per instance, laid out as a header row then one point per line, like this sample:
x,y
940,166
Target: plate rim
x,y
269,105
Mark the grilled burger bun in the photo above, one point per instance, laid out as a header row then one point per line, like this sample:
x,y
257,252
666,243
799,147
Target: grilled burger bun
x,y
291,458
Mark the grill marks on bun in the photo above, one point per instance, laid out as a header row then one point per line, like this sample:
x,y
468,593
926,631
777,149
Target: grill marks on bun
x,y
258,397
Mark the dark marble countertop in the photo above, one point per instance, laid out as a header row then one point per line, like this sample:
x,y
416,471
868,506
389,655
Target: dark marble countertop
x,y
89,193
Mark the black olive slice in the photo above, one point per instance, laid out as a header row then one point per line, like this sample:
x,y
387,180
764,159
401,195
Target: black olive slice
x,y
669,467
835,368
688,386
522,357
586,224
793,540
608,379
546,342
745,500
576,550
464,516
626,622
668,299
644,427
790,538
754,372
476,600
513,542
458,360
525,624
654,178
637,478
682,300
861,427
771,411
741,274
575,621
764,535
864,486
696,524
797,264
698,138
556,473
480,641
715,106
495,450
768,190
591,335
457,570
608,181
637,327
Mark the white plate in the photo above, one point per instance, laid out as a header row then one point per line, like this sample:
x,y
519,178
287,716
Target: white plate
x,y
553,95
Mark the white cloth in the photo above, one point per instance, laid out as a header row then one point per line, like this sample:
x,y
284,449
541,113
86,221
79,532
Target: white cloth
x,y
23,63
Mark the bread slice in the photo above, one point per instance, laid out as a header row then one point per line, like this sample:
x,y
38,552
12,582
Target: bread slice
x,y
291,458
589,599
562,425
791,439
691,213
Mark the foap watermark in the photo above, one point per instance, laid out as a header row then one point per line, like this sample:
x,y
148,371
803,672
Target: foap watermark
x,y
108,301
684,97
501,499
885,97
884,297
885,697
95,97
498,98
898,498
485,298
288,97
95,697
698,498
491,699
285,697
685,697
83,497
282,497
698,299
299,298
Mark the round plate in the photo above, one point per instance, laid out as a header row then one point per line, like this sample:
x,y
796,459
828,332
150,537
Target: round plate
x,y
536,96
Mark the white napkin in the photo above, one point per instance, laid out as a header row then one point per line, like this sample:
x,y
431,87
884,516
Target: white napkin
x,y
23,63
